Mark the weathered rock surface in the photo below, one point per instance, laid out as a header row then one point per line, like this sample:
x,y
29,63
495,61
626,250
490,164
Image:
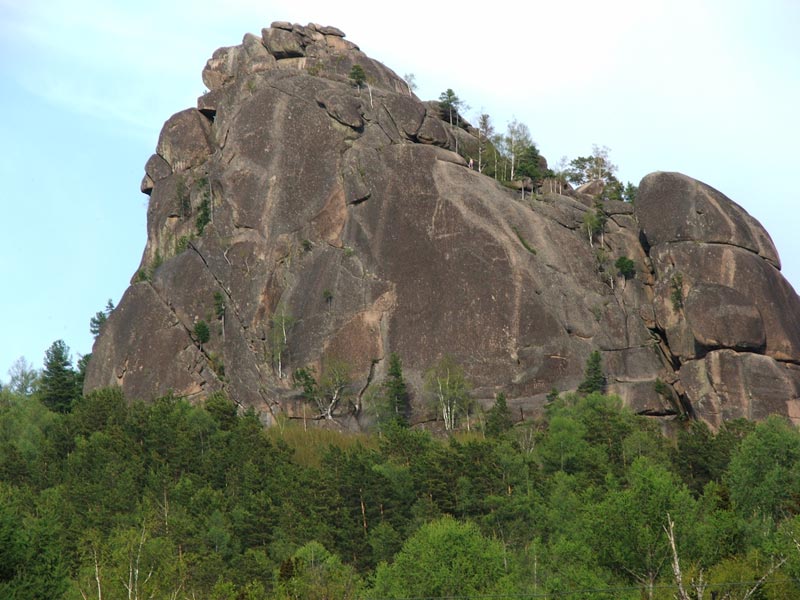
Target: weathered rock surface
x,y
305,219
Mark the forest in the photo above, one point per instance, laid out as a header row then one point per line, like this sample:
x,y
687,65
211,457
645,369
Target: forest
x,y
111,498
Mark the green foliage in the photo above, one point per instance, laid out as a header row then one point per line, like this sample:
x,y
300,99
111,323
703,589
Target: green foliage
x,y
313,573
58,387
206,503
396,393
330,391
630,193
764,472
626,267
203,215
498,419
358,76
447,390
444,559
596,167
280,324
219,305
523,241
182,244
182,194
450,104
98,320
23,378
201,332
307,245
676,295
594,380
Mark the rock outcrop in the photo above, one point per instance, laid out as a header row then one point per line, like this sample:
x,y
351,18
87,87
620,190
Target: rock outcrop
x,y
307,219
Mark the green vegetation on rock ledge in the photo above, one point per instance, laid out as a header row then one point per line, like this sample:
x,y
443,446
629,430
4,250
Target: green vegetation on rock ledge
x,y
205,503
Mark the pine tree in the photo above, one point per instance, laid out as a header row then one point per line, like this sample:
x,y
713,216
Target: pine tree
x,y
58,383
594,380
498,419
396,392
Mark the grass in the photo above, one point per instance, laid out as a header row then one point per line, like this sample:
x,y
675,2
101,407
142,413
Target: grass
x,y
524,242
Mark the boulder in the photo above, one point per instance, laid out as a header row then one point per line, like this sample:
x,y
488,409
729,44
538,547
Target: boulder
x,y
282,43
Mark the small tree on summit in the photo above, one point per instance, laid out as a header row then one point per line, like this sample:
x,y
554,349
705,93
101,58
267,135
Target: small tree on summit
x,y
450,104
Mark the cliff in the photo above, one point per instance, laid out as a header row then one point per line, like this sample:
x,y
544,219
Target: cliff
x,y
305,219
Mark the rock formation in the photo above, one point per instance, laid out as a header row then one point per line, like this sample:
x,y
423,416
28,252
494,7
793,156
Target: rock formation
x,y
306,219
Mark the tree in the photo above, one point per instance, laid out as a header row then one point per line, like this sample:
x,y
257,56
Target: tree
x,y
764,472
485,133
313,573
358,76
592,225
629,536
201,332
22,377
100,317
630,193
626,267
450,104
396,392
411,83
560,173
498,420
330,390
58,386
445,559
594,380
517,142
596,167
281,322
448,389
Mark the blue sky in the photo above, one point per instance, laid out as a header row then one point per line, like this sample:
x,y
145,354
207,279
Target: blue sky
x,y
709,88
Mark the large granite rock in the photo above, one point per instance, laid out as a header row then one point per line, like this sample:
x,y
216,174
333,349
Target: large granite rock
x,y
305,219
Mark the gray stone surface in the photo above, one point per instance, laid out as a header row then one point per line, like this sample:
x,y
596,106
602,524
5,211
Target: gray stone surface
x,y
354,212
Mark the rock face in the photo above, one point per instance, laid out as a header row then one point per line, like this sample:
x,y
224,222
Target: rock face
x,y
305,219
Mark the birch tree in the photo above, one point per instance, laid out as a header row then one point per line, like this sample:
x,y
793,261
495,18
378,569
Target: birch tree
x,y
330,391
280,324
485,133
448,390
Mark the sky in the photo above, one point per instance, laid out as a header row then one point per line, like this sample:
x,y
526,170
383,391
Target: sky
x,y
710,88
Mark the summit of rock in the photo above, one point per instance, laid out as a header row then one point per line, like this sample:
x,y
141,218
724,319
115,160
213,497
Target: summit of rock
x,y
345,222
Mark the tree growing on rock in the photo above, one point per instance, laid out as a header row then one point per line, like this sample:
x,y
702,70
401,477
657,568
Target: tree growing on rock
x,y
280,324
450,104
594,380
358,76
100,317
330,391
596,167
485,133
201,332
517,143
448,390
396,392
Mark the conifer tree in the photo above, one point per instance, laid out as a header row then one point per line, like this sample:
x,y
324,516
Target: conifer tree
x,y
594,380
396,392
498,420
58,382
